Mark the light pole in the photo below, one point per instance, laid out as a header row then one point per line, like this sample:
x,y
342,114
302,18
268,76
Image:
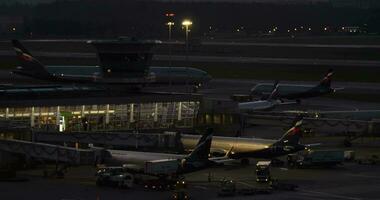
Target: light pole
x,y
187,23
170,24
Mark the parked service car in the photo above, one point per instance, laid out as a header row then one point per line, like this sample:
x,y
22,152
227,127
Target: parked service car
x,y
114,176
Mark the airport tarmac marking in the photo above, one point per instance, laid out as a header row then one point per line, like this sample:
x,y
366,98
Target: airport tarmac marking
x,y
201,187
310,196
330,195
363,176
247,184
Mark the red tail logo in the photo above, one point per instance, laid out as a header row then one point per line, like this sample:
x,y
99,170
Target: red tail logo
x,y
26,57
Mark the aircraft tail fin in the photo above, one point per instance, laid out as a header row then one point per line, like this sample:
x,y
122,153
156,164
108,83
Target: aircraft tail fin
x,y
274,92
326,81
293,135
202,150
30,66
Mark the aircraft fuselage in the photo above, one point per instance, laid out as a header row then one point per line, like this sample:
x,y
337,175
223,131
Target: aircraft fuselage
x,y
291,91
243,147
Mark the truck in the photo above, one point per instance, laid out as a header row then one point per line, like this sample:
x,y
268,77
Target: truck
x,y
180,192
114,176
313,158
162,167
263,171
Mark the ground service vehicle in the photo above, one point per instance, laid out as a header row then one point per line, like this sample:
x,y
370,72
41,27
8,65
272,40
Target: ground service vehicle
x,y
227,188
114,176
180,190
263,171
312,158
163,166
373,160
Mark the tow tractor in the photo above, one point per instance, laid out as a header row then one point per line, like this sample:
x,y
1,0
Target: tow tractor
x,y
227,188
263,171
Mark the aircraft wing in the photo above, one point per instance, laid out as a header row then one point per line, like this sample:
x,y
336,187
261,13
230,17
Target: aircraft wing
x,y
313,145
337,89
287,103
223,159
220,160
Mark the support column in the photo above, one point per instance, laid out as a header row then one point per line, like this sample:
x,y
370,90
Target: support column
x,y
131,119
107,114
57,115
32,117
6,113
156,112
179,111
82,111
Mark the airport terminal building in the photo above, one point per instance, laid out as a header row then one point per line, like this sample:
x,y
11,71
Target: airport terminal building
x,y
134,112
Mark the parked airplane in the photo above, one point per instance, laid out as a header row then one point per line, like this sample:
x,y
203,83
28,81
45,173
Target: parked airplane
x,y
243,148
267,104
31,67
179,164
297,91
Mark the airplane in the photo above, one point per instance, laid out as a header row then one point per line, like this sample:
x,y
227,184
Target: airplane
x,y
296,91
31,67
267,104
136,161
244,148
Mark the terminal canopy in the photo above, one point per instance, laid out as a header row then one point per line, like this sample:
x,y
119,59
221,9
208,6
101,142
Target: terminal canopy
x,y
124,57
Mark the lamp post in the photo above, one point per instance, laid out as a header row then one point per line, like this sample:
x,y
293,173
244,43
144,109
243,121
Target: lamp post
x,y
170,24
187,23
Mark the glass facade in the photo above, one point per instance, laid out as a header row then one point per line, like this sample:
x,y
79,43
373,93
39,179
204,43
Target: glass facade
x,y
131,116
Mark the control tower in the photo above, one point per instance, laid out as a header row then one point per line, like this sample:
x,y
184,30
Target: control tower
x,y
124,57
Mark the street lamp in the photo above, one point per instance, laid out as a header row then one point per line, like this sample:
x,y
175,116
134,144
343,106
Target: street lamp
x,y
187,23
170,24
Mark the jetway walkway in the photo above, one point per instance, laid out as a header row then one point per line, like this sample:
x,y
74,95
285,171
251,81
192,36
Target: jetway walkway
x,y
167,140
49,152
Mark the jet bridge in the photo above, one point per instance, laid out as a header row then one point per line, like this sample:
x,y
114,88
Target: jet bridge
x,y
128,140
49,152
